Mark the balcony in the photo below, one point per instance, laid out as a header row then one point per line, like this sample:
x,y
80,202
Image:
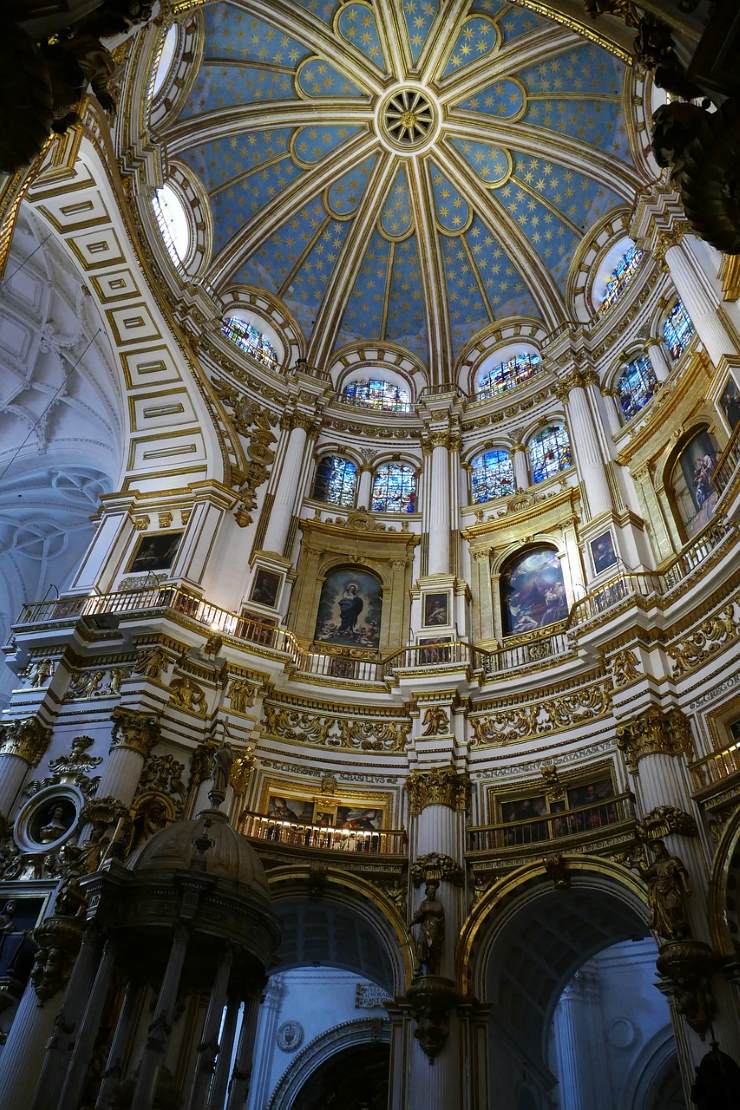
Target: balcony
x,y
716,769
323,838
582,825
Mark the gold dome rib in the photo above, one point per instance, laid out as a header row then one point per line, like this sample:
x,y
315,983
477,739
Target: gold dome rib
x,y
341,283
227,122
443,33
281,207
390,32
432,271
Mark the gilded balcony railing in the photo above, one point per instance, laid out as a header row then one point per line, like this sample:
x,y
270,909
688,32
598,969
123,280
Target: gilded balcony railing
x,y
578,822
298,834
333,663
436,653
715,767
524,651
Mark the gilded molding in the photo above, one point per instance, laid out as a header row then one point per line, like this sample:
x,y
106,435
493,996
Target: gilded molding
x,y
654,733
705,641
438,786
27,739
286,723
523,722
134,729
625,668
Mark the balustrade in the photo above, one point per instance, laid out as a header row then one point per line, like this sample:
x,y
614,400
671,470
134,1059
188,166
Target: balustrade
x,y
298,834
716,767
578,822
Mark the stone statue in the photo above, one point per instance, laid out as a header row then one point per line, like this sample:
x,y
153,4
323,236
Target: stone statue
x,y
223,757
669,890
150,818
435,721
54,827
430,916
39,673
152,663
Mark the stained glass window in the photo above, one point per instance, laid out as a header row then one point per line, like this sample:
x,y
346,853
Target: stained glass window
x,y
375,393
394,489
621,276
335,481
678,330
636,385
247,338
508,374
492,475
549,452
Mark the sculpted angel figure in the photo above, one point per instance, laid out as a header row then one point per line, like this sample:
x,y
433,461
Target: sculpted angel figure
x,y
669,890
430,917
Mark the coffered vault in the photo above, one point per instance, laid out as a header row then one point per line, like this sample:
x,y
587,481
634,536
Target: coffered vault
x,y
407,173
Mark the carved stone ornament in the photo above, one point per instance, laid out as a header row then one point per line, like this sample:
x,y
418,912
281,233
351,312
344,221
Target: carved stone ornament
x,y
186,694
101,683
624,668
429,941
58,938
664,820
435,721
134,729
435,866
251,421
27,739
152,662
290,1036
668,891
554,787
39,673
164,774
431,998
654,733
242,770
241,695
360,734
200,764
369,996
527,721
556,869
686,967
710,637
73,768
438,786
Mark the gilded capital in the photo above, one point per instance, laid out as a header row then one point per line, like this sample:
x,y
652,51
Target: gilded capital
x,y
134,729
654,733
28,739
439,786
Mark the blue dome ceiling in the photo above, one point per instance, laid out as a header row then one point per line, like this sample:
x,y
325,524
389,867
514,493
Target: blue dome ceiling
x,y
408,172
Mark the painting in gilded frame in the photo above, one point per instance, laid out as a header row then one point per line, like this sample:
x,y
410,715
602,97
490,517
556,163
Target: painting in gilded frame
x,y
350,608
155,552
436,609
532,591
603,553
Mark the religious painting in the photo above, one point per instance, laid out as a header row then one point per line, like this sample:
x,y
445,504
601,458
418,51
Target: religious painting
x,y
156,552
532,591
730,404
323,814
359,819
350,608
265,587
436,608
590,794
603,553
523,808
691,481
299,810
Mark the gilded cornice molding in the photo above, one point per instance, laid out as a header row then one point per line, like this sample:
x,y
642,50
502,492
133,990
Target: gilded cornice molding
x,y
438,786
654,733
134,729
27,739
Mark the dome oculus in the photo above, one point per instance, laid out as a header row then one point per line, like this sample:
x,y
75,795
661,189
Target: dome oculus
x,y
408,119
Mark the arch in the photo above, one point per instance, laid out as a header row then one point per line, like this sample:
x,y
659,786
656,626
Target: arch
x,y
335,480
378,915
187,192
677,330
269,309
635,385
307,1062
363,359
651,1070
532,589
724,890
505,368
505,333
612,272
593,248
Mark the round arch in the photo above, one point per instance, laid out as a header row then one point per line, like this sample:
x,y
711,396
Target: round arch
x,y
349,1034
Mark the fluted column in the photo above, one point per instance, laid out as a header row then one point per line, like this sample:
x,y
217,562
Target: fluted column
x,y
263,1033
114,1063
520,465
220,1084
240,1080
438,526
585,443
579,1045
134,735
288,484
695,290
23,743
32,1026
161,1025
89,1027
610,409
658,361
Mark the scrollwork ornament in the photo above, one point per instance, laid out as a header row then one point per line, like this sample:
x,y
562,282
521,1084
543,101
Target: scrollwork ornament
x,y
665,821
625,668
435,866
706,640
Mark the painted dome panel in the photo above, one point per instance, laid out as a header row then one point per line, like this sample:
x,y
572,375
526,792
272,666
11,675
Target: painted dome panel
x,y
356,24
380,233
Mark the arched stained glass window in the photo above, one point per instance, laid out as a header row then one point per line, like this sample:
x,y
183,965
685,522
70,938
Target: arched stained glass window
x,y
492,475
549,451
636,385
248,338
508,374
335,481
376,393
394,489
677,330
621,276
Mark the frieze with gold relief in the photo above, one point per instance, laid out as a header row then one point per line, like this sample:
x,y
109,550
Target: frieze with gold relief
x,y
624,668
361,734
523,722
712,635
440,786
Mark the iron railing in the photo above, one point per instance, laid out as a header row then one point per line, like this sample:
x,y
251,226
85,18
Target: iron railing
x,y
580,821
715,767
299,834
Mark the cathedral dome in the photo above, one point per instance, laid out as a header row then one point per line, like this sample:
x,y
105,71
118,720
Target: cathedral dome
x,y
207,844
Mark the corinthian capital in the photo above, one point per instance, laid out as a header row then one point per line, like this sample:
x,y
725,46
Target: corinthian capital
x,y
654,733
134,729
439,786
28,739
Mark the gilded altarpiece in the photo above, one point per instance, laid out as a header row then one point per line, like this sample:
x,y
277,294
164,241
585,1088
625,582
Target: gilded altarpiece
x,y
363,544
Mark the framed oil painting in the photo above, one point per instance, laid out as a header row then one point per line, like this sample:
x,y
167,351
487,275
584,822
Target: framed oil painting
x,y
691,482
299,810
532,591
265,587
436,609
359,819
603,553
350,608
729,402
155,552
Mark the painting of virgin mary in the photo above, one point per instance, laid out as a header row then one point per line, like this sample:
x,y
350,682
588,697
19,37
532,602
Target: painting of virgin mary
x,y
350,608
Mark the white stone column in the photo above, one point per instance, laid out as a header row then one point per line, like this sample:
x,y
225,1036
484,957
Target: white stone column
x,y
264,1034
610,409
89,1027
286,486
217,1094
579,1042
364,489
438,525
699,299
121,1034
23,743
658,361
520,465
134,735
32,1026
585,444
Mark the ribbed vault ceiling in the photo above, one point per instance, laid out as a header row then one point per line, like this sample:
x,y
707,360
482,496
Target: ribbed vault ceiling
x,y
410,171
